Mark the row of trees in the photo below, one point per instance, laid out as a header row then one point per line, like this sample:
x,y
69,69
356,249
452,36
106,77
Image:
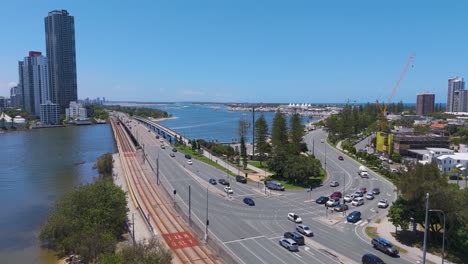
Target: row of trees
x,y
351,121
285,148
411,204
139,111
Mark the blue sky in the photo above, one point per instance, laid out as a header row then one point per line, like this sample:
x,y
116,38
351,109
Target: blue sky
x,y
250,51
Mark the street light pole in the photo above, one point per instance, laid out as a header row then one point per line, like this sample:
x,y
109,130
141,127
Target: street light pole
x,y
157,170
189,206
443,236
325,157
425,228
207,221
344,186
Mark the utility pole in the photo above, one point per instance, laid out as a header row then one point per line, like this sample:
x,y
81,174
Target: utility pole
x,y
207,221
253,132
313,147
325,157
443,236
133,228
189,206
344,185
157,170
425,228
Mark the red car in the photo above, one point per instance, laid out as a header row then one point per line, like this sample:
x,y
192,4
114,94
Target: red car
x,y
340,157
336,195
363,189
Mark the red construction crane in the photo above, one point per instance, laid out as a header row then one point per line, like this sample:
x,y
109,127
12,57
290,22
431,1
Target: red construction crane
x,y
383,109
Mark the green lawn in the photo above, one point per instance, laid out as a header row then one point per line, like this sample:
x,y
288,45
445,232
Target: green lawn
x,y
255,163
371,231
195,155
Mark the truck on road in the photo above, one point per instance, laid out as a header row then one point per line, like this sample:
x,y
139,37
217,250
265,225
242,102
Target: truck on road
x,y
363,172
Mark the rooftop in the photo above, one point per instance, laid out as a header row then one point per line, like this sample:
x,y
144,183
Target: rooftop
x,y
456,155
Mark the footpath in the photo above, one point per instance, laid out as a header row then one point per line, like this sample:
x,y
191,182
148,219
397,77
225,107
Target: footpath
x,y
142,231
257,175
384,230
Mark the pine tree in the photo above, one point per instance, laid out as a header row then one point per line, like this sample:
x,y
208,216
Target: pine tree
x,y
261,134
296,133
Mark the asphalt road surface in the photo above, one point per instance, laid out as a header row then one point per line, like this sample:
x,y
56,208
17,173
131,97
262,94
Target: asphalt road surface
x,y
252,233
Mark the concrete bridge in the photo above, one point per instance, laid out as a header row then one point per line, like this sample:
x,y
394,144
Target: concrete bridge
x,y
164,132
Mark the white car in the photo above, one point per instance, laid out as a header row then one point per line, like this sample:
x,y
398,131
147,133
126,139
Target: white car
x,y
333,202
294,217
334,184
349,197
228,190
369,196
189,162
357,201
383,203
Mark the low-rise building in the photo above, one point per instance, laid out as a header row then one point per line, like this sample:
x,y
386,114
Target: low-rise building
x,y
456,160
75,112
50,113
404,141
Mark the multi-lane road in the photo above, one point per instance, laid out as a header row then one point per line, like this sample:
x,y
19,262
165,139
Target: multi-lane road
x,y
251,234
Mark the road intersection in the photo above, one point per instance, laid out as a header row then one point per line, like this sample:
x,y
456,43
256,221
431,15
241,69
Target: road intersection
x,y
252,233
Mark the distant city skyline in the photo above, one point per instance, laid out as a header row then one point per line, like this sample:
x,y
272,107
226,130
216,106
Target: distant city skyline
x,y
241,51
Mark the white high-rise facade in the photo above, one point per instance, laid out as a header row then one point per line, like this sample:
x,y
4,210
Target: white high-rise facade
x,y
455,94
35,82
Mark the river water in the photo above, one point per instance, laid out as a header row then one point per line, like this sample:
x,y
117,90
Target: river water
x,y
36,167
212,122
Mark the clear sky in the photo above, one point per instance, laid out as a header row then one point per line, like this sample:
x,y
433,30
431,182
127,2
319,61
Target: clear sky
x,y
250,51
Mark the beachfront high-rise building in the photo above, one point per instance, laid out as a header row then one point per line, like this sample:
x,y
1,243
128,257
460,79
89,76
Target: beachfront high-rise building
x,y
20,83
35,81
425,103
60,47
453,97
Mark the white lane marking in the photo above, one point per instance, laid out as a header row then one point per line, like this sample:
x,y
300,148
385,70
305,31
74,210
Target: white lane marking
x,y
253,253
242,239
271,253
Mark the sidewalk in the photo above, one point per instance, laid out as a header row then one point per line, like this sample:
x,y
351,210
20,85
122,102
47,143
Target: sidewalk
x,y
141,229
258,175
384,230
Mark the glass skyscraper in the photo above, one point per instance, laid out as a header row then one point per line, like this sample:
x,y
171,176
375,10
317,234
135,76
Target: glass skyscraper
x,y
60,50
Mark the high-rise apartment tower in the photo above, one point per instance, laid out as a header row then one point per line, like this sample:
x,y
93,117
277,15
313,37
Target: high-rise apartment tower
x,y
35,81
425,103
60,48
453,100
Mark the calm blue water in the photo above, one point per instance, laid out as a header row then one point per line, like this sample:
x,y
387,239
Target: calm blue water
x,y
36,167
212,122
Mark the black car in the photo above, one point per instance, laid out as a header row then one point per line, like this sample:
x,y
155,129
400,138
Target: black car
x,y
295,236
385,246
174,150
187,156
376,191
241,179
223,182
249,201
322,200
371,259
341,208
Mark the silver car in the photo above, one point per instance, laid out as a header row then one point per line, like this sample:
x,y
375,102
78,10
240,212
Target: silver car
x,y
305,230
288,243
